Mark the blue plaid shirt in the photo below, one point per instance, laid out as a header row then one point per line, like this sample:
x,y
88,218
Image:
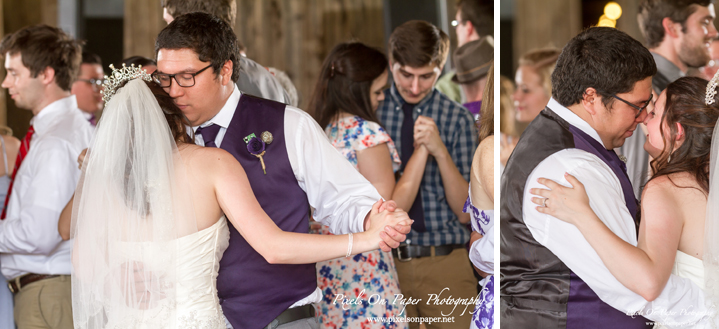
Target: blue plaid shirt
x,y
459,135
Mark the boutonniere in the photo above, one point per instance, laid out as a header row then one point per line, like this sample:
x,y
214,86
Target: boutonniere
x,y
257,146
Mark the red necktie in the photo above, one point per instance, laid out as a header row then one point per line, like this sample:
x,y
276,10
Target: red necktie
x,y
24,148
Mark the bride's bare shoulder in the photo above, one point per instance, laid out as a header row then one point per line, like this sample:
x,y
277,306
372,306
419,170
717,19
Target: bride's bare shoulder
x,y
674,187
211,159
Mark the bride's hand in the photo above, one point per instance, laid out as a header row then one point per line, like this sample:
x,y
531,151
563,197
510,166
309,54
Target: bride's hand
x,y
568,204
382,224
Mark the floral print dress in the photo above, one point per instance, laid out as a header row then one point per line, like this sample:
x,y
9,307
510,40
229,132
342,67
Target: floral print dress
x,y
369,280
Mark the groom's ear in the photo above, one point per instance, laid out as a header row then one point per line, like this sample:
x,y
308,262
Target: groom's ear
x,y
591,101
226,72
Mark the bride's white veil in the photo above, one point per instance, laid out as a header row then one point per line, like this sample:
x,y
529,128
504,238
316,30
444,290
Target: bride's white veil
x,y
132,203
710,259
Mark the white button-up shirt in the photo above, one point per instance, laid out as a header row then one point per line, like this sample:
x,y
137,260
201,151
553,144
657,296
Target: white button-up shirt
x,y
681,301
339,195
29,239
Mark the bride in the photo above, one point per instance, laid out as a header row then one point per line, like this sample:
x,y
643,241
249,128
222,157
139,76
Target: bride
x,y
672,234
149,218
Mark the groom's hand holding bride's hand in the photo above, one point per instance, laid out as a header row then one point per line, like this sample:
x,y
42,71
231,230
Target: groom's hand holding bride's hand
x,y
390,223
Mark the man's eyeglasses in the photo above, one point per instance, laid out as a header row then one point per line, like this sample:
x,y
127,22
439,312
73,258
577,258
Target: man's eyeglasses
x,y
640,109
95,83
182,79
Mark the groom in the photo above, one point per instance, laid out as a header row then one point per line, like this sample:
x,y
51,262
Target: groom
x,y
290,164
551,276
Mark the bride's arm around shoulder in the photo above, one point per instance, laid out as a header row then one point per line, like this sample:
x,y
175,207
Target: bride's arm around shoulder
x,y
234,196
660,230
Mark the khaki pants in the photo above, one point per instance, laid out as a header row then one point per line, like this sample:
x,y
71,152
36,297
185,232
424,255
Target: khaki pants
x,y
45,304
421,277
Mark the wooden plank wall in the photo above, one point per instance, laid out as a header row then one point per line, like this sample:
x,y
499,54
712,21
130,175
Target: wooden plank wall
x,y
290,35
296,36
539,24
143,22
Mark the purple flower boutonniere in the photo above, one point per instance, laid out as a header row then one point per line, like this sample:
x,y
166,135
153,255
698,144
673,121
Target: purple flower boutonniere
x,y
257,147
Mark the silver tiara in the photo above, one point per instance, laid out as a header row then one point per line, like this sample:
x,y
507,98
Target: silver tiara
x,y
712,89
119,76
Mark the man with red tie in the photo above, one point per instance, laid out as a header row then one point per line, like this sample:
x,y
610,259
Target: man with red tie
x,y
41,63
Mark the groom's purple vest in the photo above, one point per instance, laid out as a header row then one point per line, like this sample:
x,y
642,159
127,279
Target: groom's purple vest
x,y
253,292
537,289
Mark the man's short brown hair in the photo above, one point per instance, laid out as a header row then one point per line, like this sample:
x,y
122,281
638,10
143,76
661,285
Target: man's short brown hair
x,y
417,44
480,13
224,9
43,46
652,12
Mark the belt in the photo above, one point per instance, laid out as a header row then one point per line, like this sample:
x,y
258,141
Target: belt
x,y
405,252
17,283
292,314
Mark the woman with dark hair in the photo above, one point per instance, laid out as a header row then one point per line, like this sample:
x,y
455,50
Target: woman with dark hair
x,y
345,99
151,214
675,202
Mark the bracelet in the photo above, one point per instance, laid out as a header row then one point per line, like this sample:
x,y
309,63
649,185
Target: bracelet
x,y
349,247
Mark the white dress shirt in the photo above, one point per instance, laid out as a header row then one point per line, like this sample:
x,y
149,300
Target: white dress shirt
x,y
29,239
338,194
681,301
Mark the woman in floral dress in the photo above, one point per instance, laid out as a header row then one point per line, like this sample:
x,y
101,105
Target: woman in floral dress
x,y
345,99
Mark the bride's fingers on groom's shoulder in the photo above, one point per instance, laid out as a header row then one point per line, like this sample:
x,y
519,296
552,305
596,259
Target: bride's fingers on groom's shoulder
x,y
540,191
537,200
573,181
548,183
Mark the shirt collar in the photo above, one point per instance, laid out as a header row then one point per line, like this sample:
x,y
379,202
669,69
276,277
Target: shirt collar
x,y
394,93
573,119
667,68
224,117
86,115
50,113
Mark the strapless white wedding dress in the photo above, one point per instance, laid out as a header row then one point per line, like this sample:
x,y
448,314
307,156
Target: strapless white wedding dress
x,y
196,304
688,267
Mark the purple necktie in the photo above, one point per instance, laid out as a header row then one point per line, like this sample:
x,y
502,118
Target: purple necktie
x,y
407,137
209,134
93,120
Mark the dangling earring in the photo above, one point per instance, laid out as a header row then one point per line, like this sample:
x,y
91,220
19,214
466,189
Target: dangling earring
x,y
669,158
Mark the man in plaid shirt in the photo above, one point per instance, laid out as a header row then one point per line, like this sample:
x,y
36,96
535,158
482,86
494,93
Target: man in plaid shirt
x,y
436,138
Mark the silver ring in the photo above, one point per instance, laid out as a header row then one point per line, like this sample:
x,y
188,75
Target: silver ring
x,y
544,202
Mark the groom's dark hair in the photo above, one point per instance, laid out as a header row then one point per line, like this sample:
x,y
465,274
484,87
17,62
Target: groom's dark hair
x,y
602,58
211,38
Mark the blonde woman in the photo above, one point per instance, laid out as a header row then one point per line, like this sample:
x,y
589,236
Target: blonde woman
x,y
533,81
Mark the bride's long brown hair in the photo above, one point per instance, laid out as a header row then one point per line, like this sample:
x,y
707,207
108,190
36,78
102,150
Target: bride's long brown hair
x,y
686,105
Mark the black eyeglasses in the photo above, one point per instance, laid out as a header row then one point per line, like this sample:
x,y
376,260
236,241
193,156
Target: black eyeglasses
x,y
95,83
640,109
182,79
